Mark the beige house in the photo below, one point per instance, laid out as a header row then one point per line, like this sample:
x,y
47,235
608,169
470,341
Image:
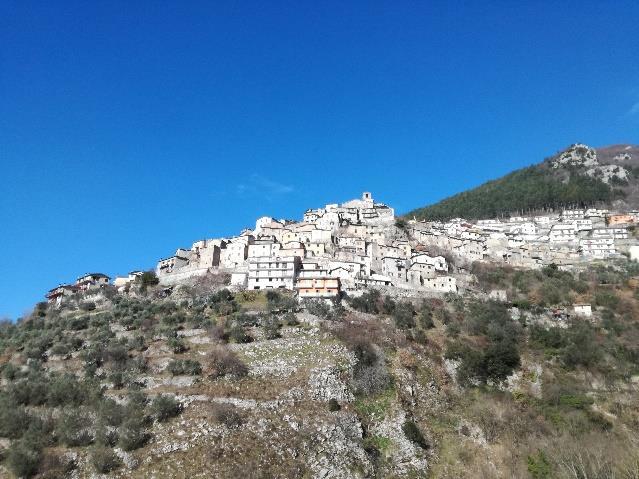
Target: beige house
x,y
57,294
317,283
92,281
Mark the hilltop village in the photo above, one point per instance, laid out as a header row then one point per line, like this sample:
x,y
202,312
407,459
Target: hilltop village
x,y
360,243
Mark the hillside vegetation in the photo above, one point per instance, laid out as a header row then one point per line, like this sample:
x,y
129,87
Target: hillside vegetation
x,y
220,384
541,187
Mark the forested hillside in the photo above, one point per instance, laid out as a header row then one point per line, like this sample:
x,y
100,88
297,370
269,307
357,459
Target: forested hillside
x,y
571,179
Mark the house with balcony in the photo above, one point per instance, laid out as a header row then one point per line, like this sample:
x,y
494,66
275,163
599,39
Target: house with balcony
x,y
273,272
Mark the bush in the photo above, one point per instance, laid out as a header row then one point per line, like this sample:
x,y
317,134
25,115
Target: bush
x,y
552,338
188,367
74,428
582,349
14,420
403,316
606,299
290,319
87,306
412,432
23,458
495,363
132,434
368,302
333,405
176,345
318,308
148,278
539,466
224,362
271,328
164,407
54,465
117,379
104,460
66,390
425,317
238,335
227,414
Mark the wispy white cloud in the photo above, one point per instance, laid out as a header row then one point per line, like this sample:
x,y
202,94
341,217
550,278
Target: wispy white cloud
x,y
258,185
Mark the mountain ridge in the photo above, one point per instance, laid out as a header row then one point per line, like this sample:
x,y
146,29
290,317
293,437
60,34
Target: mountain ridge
x,y
577,176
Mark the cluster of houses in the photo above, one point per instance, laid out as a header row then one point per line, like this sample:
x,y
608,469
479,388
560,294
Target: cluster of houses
x,y
358,244
86,282
340,247
568,239
89,283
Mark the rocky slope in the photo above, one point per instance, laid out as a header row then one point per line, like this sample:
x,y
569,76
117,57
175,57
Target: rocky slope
x,y
208,383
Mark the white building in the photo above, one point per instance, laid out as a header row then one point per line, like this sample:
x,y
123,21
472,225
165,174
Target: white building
x,y
563,233
239,279
445,284
582,309
583,224
598,247
121,281
233,253
616,233
395,268
272,273
572,214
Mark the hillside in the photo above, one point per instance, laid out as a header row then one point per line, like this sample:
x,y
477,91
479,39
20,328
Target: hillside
x,y
580,176
203,382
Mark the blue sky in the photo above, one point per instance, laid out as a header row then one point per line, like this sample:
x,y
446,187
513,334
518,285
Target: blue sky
x,y
128,129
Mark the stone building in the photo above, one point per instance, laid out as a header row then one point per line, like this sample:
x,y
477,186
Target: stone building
x,y
92,281
57,294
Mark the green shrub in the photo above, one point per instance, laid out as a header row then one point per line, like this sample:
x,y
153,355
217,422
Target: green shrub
x,y
368,302
148,278
425,317
403,315
66,390
333,405
606,299
238,335
132,434
318,308
117,379
110,412
189,367
14,420
582,348
23,458
420,337
575,401
78,323
539,466
104,460
176,345
271,328
164,407
31,391
87,306
74,428
290,319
